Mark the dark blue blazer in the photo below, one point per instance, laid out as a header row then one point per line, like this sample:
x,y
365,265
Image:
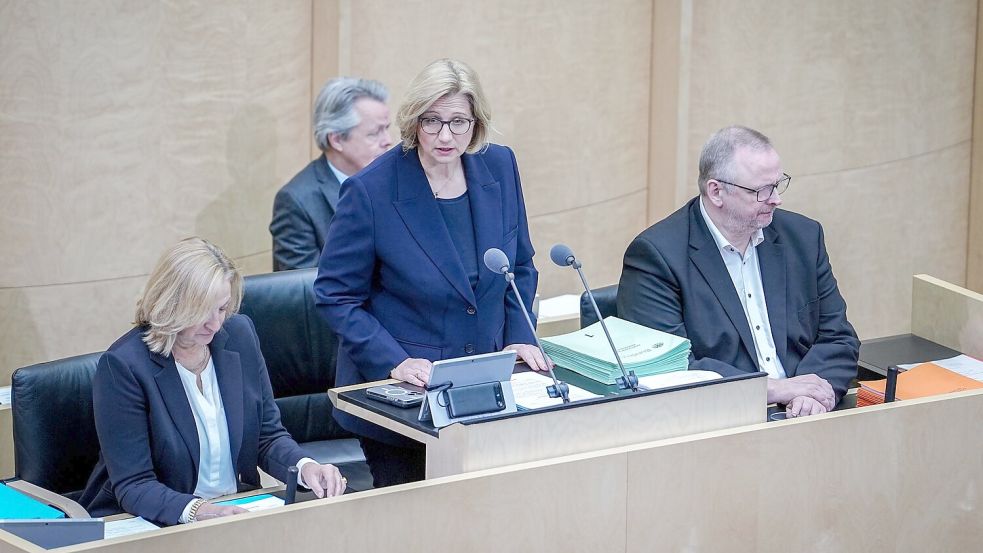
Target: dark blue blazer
x,y
675,280
302,212
148,463
391,284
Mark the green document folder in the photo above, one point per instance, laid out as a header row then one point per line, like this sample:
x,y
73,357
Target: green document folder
x,y
643,350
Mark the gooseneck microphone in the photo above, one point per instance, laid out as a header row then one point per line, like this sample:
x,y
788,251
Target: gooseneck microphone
x,y
498,262
562,255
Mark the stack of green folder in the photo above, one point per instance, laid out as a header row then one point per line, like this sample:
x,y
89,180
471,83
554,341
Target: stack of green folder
x,y
643,350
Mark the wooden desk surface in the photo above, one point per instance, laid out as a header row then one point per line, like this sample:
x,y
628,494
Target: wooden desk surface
x,y
878,354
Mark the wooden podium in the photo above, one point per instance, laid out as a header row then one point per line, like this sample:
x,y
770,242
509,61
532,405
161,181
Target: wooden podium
x,y
601,423
898,477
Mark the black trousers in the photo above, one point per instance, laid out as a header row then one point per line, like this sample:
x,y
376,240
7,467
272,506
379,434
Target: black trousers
x,y
391,465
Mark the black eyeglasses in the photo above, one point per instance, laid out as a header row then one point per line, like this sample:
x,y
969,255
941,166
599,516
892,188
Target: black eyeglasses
x,y
457,125
781,186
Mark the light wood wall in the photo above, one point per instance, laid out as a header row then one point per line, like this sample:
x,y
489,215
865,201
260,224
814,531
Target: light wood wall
x,y
125,126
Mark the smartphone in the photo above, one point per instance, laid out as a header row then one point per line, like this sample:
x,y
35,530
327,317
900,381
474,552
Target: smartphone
x,y
395,395
476,399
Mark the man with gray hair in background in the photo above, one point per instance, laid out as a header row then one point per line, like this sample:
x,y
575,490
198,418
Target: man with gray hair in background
x,y
351,127
749,284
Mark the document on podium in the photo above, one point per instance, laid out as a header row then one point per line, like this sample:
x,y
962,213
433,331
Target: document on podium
x,y
960,364
128,526
643,350
252,503
530,391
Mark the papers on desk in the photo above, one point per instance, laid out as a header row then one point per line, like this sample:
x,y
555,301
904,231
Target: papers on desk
x,y
260,502
643,350
960,364
128,526
676,378
530,391
567,305
926,379
4,395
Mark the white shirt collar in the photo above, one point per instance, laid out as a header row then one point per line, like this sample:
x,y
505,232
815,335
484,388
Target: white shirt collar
x,y
722,243
338,174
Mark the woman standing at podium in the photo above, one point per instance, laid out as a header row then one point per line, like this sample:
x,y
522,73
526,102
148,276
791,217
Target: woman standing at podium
x,y
183,405
401,279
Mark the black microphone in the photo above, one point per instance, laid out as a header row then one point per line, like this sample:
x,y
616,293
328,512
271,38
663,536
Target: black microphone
x,y
291,494
562,255
498,262
891,387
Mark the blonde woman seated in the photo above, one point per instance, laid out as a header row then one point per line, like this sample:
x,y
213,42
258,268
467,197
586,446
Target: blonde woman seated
x,y
183,405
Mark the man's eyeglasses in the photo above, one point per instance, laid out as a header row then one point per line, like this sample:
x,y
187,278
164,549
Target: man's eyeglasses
x,y
457,125
762,194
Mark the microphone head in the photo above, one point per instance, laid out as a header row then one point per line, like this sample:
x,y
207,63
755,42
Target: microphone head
x,y
497,261
562,255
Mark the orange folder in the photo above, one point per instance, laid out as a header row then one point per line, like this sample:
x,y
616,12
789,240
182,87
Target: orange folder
x,y
927,379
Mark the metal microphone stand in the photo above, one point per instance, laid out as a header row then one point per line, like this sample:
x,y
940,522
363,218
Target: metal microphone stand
x,y
558,388
627,380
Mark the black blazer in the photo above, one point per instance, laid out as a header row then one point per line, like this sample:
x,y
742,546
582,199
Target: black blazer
x,y
302,212
148,465
675,280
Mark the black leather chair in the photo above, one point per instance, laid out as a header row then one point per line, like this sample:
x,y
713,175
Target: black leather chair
x,y
55,443
300,352
607,303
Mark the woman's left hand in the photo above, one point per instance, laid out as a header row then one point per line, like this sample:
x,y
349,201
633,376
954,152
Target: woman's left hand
x,y
532,356
323,480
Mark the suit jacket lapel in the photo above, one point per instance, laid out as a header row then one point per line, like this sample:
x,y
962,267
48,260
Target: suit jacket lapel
x,y
329,185
418,209
771,259
487,214
228,372
703,252
178,406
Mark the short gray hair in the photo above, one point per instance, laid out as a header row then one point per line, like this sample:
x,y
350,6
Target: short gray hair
x,y
717,157
334,111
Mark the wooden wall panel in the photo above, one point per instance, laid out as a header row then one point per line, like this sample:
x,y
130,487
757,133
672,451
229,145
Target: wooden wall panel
x,y
974,251
124,128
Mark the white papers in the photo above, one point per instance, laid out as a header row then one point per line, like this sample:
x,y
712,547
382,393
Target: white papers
x,y
267,502
961,364
530,391
566,305
128,526
676,378
4,395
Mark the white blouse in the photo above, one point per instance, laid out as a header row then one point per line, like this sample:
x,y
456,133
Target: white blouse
x,y
216,475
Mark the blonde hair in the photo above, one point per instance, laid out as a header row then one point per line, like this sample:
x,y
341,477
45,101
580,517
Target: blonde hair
x,y
181,288
440,78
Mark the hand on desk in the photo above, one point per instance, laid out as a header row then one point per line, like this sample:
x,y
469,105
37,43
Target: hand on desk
x,y
210,510
413,371
785,390
323,480
531,355
803,406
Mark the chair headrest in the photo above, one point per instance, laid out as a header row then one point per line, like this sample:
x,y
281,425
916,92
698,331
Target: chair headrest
x,y
607,303
55,442
299,347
